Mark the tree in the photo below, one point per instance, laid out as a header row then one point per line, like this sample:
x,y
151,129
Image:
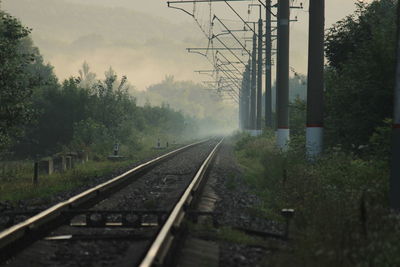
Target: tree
x,y
87,79
15,90
359,78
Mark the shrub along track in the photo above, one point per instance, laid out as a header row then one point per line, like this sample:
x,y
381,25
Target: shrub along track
x,y
115,231
26,208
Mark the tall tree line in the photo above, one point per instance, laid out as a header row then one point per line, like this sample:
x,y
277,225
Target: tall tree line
x,y
40,116
359,77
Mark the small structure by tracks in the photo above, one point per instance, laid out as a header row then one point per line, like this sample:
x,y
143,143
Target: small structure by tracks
x,y
22,236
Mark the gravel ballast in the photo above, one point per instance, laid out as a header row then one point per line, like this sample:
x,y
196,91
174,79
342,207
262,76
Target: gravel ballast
x,y
235,209
159,189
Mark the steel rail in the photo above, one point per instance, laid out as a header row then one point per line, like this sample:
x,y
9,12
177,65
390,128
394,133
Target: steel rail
x,y
15,233
159,248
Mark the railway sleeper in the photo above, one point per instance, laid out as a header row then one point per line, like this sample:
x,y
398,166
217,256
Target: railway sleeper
x,y
107,218
95,237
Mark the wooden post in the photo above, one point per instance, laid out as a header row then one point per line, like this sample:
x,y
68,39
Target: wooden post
x,y
35,179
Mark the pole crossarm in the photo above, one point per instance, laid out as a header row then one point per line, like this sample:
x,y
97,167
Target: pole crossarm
x,y
291,7
230,63
181,9
237,14
221,88
292,20
213,48
230,79
228,74
234,36
231,75
217,66
203,1
196,52
206,71
230,82
267,8
234,80
242,30
230,50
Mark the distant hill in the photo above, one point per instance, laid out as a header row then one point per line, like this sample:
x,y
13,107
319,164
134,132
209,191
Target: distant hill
x,y
77,18
142,46
154,7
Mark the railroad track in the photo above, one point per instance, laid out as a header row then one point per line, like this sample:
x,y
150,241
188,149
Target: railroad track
x,y
131,220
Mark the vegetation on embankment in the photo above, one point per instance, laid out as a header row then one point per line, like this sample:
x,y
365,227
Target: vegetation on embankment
x,y
16,178
41,117
359,80
342,215
17,183
340,201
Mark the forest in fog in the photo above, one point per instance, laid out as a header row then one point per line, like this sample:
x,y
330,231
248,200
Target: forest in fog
x,y
42,114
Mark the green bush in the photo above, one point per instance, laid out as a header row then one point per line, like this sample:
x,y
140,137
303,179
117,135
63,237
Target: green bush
x,y
360,50
340,201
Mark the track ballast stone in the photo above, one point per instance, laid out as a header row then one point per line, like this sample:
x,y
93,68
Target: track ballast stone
x,y
159,189
235,209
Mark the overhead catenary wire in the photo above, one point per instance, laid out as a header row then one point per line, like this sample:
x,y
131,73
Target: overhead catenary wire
x,y
207,27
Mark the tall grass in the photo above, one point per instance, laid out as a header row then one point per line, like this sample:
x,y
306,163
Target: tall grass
x,y
340,201
20,187
16,177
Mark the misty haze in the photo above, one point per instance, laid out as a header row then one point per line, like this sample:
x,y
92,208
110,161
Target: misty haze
x,y
199,133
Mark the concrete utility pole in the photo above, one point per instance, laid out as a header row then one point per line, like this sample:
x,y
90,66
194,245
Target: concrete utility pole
x,y
315,84
282,92
248,88
245,97
253,91
395,167
259,73
268,66
241,104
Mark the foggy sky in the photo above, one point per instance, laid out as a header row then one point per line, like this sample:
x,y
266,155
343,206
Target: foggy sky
x,y
145,57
